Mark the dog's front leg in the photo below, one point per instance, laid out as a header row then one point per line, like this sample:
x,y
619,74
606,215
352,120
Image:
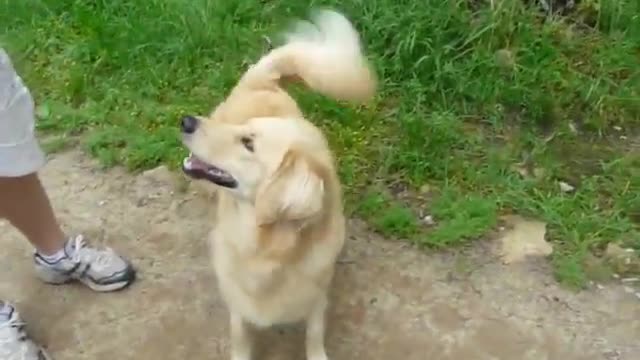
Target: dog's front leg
x,y
240,339
316,331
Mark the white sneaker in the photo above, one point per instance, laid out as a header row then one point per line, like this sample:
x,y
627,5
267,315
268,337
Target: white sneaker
x,y
15,343
101,270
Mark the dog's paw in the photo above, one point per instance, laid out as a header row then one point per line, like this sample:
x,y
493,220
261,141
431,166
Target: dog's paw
x,y
241,354
240,357
318,357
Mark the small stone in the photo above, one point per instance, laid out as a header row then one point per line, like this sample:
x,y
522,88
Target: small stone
x,y
425,189
538,173
623,261
102,202
565,187
617,128
528,172
615,250
521,170
428,220
505,59
141,202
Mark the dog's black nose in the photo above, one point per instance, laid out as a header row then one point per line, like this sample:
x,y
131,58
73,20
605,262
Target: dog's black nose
x,y
189,124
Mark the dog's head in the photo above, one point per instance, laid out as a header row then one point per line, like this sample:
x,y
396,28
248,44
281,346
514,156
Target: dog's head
x,y
278,164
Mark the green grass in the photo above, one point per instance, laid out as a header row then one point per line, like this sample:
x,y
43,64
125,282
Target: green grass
x,y
474,93
55,144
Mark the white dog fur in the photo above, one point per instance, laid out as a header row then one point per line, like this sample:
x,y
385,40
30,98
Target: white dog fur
x,y
280,225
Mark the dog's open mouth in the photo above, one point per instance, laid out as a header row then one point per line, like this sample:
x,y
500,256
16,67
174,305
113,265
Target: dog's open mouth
x,y
198,169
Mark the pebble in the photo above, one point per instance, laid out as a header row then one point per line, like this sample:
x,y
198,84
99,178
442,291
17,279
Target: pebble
x,y
428,220
629,290
565,187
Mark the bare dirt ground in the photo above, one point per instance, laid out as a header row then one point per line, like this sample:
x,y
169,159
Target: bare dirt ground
x,y
390,301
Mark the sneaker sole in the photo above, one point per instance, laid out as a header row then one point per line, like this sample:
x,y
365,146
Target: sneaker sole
x,y
58,279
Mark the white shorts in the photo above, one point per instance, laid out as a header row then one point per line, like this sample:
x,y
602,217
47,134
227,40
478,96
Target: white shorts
x,y
20,152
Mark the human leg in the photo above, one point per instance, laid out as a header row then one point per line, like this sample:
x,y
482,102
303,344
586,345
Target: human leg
x,y
26,206
24,202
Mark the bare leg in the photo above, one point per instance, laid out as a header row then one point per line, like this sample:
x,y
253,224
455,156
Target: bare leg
x,y
315,332
240,339
24,202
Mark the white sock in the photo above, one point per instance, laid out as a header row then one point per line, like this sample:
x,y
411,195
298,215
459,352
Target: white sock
x,y
57,256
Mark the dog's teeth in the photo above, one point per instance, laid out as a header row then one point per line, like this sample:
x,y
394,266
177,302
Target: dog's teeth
x,y
187,162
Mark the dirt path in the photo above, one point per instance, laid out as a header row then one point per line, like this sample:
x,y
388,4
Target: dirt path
x,y
390,301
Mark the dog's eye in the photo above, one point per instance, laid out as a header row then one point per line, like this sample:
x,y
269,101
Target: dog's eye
x,y
248,143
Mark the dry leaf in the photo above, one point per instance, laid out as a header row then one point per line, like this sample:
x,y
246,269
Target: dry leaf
x,y
524,238
523,171
573,127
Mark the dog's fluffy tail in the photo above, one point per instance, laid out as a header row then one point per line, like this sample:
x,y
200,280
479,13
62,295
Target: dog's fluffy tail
x,y
326,55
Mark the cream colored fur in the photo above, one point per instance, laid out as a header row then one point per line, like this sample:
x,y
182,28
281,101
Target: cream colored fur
x,y
279,232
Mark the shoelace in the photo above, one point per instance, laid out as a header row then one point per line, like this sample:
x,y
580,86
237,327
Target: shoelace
x,y
99,259
17,325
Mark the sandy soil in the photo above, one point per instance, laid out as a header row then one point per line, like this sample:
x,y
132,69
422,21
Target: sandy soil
x,y
390,301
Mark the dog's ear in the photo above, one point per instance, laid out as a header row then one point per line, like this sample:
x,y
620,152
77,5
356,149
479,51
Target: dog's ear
x,y
296,192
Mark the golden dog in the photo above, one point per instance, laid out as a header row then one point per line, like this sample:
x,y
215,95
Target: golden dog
x,y
280,225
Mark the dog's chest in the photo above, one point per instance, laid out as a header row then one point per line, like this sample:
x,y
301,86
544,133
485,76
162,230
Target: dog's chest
x,y
258,277
264,292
